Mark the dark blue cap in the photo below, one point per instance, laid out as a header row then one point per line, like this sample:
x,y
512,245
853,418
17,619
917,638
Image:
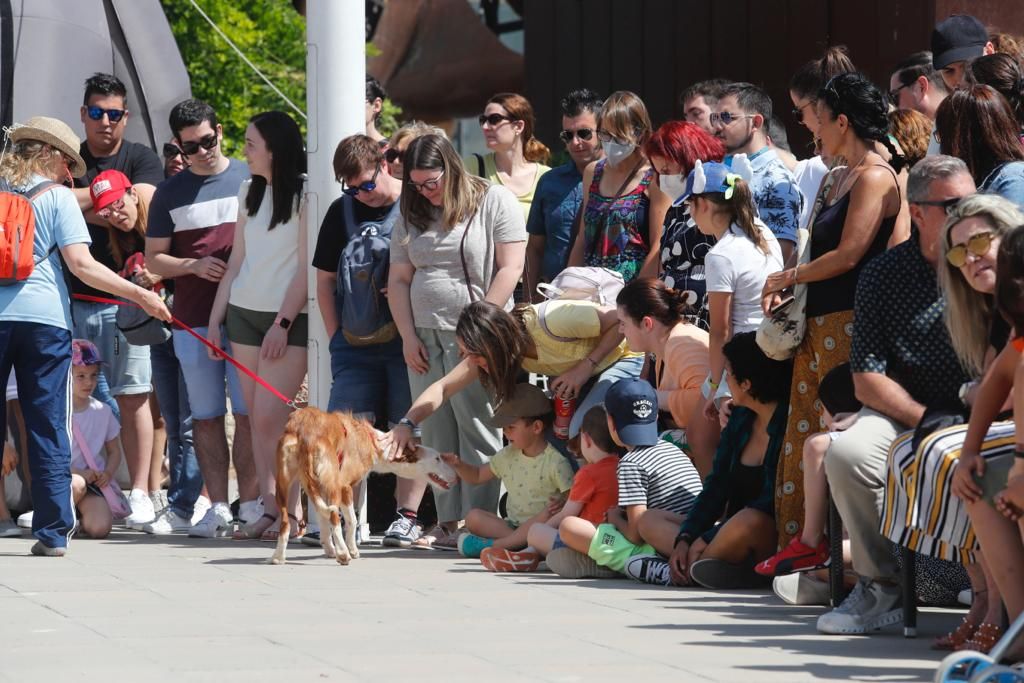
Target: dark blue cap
x,y
958,38
633,407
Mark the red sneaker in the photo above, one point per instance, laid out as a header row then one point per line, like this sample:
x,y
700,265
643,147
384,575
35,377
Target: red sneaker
x,y
795,557
501,560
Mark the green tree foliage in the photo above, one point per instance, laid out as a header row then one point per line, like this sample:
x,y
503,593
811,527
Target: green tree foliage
x,y
272,35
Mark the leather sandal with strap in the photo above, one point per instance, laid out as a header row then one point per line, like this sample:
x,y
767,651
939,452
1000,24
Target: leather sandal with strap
x,y
295,530
957,637
984,639
254,530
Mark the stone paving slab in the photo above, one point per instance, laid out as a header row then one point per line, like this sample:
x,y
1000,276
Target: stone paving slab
x,y
135,607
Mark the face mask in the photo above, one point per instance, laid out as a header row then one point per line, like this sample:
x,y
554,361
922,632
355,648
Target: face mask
x,y
616,151
672,185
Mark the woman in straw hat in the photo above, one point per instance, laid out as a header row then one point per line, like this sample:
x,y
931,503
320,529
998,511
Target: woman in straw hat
x,y
35,315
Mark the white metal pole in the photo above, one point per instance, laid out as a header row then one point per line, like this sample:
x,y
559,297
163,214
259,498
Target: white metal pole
x,y
335,104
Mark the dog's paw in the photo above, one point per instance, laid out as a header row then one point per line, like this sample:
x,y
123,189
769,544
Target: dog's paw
x,y
342,559
276,560
354,553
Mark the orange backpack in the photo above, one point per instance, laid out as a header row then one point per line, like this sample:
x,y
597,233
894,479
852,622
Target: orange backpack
x,y
18,231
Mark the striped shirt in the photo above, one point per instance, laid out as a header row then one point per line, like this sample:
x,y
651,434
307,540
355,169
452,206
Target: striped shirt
x,y
661,477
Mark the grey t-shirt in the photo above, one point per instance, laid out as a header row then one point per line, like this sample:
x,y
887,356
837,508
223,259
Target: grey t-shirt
x,y
438,292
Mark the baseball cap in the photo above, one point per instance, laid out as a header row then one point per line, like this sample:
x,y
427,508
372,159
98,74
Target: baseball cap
x,y
84,352
959,37
107,188
633,407
716,176
526,401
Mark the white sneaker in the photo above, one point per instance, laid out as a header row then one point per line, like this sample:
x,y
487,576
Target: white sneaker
x,y
159,499
200,509
250,511
142,509
166,523
216,523
25,520
869,607
802,589
402,533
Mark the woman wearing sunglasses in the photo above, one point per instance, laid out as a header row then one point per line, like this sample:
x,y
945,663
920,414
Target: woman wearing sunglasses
x,y
400,141
175,160
459,239
921,510
977,125
262,296
623,209
517,159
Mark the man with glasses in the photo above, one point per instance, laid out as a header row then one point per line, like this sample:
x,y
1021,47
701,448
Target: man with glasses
x,y
699,101
556,201
903,361
125,382
191,231
741,120
915,84
366,376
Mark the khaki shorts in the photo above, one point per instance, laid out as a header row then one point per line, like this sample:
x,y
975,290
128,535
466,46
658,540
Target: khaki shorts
x,y
249,327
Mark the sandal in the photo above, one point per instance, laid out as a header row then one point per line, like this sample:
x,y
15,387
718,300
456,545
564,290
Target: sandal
x,y
273,531
984,639
955,638
254,530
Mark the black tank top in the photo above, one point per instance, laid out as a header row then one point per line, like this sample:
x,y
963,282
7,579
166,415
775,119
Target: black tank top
x,y
836,294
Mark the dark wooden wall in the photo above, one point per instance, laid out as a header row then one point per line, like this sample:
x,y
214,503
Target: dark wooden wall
x,y
657,48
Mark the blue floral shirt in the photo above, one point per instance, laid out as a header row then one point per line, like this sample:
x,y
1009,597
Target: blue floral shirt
x,y
776,193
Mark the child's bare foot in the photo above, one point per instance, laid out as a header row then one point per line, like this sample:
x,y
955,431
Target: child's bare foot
x,y
1010,501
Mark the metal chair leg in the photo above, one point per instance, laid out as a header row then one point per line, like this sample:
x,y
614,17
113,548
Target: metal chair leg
x,y
909,589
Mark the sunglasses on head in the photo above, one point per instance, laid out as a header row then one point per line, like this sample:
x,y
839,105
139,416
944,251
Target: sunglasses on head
x,y
725,118
96,113
976,244
584,134
392,155
428,185
369,186
192,146
493,119
171,150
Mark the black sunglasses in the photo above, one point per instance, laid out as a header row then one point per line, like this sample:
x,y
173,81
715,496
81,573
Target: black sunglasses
x,y
798,112
894,94
946,204
584,134
368,186
171,150
392,155
96,113
192,146
493,119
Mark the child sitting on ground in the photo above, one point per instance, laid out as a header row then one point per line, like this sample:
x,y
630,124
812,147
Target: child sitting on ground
x,y
594,490
810,550
532,470
652,475
94,429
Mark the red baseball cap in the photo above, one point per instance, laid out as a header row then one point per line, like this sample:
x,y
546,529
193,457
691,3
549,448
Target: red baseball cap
x,y
107,188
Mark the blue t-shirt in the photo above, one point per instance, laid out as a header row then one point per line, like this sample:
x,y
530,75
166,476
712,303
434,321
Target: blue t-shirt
x,y
1007,181
556,201
43,297
777,196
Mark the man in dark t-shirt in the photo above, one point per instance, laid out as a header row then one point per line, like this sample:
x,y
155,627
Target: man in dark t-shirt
x,y
125,382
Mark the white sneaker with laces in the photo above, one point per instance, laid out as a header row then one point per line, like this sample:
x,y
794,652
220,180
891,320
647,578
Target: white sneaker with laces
x,y
25,520
142,509
402,533
216,523
869,607
200,509
166,523
652,569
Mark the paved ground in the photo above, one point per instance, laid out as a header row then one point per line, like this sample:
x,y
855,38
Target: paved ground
x,y
175,609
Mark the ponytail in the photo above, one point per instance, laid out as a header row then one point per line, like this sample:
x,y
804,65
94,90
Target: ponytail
x,y
648,297
898,161
536,151
744,214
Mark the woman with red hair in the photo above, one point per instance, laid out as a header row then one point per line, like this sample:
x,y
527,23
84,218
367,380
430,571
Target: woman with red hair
x,y
673,150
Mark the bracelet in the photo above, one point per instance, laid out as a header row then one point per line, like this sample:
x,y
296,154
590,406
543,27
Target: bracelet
x,y
592,361
683,536
406,422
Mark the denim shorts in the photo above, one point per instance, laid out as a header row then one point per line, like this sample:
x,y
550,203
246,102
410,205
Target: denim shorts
x,y
127,367
205,378
369,379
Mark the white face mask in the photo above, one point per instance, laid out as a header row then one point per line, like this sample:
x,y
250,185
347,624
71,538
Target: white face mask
x,y
616,151
673,185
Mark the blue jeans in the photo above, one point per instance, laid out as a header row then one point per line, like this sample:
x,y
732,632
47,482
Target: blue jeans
x,y
186,479
624,368
369,379
41,357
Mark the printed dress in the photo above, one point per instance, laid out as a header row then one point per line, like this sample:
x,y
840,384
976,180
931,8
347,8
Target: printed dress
x,y
615,228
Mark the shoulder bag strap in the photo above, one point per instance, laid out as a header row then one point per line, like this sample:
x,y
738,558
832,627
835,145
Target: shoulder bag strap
x,y
480,168
33,193
462,251
114,500
542,319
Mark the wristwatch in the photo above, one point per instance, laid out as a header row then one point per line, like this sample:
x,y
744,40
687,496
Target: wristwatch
x,y
406,422
284,322
965,389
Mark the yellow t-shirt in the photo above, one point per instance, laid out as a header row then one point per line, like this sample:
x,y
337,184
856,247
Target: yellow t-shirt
x,y
578,321
472,165
531,482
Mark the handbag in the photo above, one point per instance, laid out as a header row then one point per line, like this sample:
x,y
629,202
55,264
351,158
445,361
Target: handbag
x,y
114,496
140,328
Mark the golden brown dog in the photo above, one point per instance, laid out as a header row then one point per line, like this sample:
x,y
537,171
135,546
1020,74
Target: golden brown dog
x,y
331,453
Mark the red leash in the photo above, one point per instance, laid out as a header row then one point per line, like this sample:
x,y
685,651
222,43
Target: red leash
x,y
220,352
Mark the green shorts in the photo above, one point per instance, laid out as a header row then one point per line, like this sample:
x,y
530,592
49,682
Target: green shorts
x,y
248,327
611,549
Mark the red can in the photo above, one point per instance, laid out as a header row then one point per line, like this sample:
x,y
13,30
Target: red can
x,y
564,410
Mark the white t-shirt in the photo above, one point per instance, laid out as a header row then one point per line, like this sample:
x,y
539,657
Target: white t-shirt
x,y
97,426
737,266
808,174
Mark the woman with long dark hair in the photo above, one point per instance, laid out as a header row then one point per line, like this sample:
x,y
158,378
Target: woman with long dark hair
x,y
855,224
262,295
1006,75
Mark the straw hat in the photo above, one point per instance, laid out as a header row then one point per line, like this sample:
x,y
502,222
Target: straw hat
x,y
55,133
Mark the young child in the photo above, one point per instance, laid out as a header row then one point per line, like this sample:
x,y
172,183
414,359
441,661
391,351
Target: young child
x,y
810,550
531,469
594,490
653,474
94,427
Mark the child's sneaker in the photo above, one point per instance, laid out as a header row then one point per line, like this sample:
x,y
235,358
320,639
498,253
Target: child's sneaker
x,y
470,546
167,523
142,509
501,560
795,557
571,564
652,569
216,523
